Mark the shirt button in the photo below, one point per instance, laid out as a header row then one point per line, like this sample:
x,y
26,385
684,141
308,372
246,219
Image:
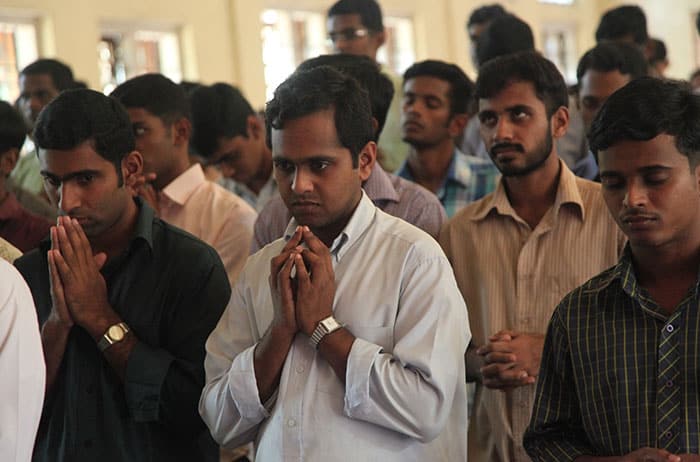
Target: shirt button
x,y
669,435
300,369
669,384
291,423
669,328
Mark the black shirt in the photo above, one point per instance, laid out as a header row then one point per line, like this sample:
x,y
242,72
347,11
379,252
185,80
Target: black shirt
x,y
171,289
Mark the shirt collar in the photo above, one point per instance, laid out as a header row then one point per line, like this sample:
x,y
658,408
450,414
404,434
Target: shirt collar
x,y
567,193
182,187
624,274
144,223
459,170
361,219
378,186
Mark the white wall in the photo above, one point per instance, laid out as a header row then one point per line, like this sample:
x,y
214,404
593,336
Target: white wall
x,y
221,38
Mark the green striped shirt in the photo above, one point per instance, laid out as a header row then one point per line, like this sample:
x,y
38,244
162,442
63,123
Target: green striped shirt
x,y
617,373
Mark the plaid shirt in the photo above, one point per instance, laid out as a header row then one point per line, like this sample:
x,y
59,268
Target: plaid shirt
x,y
606,382
468,178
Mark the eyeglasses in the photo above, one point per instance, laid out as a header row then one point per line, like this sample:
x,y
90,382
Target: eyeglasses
x,y
347,34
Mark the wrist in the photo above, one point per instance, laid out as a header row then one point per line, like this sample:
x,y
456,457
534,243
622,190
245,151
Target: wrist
x,y
57,322
323,329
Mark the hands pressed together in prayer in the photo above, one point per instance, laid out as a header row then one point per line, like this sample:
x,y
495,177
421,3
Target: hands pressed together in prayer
x,y
511,359
302,282
78,290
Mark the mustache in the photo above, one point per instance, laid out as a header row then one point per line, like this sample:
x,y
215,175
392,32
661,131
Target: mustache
x,y
636,213
503,147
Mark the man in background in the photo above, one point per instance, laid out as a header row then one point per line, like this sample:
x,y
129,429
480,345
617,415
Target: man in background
x,y
230,136
517,251
20,227
356,27
176,189
435,110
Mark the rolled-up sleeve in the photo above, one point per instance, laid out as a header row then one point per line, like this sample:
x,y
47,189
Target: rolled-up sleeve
x,y
411,388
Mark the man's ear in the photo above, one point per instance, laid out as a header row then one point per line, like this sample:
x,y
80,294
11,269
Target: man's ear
x,y
366,160
559,122
696,170
255,128
8,160
182,130
132,168
379,39
457,124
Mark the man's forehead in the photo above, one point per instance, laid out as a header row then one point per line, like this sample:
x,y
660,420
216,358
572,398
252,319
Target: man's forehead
x,y
515,93
343,21
44,81
427,85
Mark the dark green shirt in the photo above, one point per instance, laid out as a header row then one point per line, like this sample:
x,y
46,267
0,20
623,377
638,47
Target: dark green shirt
x,y
617,373
171,289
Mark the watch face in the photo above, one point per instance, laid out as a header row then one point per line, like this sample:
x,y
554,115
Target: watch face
x,y
116,333
329,324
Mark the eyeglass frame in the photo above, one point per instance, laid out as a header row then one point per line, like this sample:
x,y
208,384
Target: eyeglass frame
x,y
350,34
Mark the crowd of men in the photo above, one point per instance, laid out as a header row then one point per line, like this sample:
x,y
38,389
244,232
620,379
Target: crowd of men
x,y
375,268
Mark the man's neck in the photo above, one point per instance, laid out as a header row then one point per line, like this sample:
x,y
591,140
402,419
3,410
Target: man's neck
x,y
429,165
667,272
330,232
116,239
180,164
533,194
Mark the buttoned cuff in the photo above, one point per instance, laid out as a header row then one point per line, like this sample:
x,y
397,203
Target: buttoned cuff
x,y
244,388
357,377
145,373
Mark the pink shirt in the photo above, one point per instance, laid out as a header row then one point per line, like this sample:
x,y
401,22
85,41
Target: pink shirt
x,y
211,213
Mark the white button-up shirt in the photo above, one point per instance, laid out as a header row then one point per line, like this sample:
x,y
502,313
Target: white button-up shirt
x,y
22,369
404,397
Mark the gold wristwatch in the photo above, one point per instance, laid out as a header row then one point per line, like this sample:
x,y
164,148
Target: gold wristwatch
x,y
114,334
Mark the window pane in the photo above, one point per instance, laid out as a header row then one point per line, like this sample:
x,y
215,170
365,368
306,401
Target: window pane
x,y
18,48
123,54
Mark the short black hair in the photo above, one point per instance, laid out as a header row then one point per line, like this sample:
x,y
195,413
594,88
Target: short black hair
x,y
219,110
61,75
525,66
155,93
485,14
623,21
613,56
13,130
461,88
319,89
80,115
648,107
369,10
505,35
658,50
368,74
